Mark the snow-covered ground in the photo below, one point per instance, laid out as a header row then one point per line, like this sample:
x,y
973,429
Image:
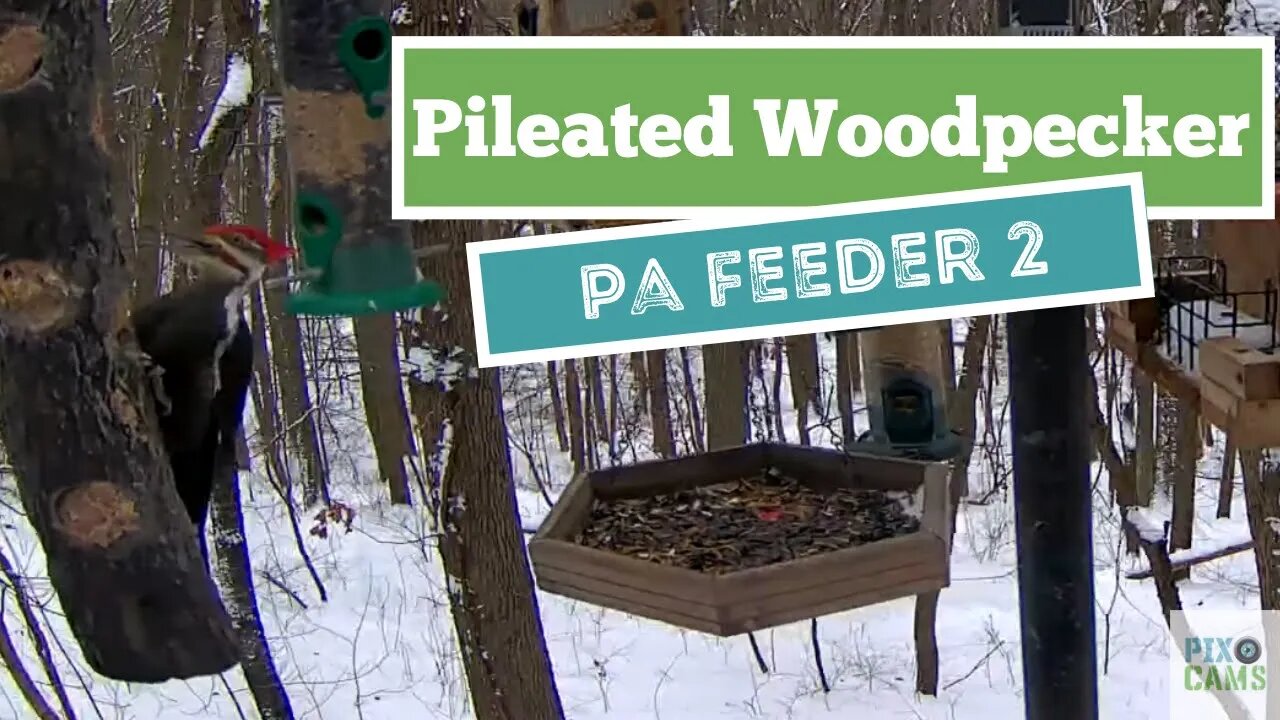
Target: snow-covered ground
x,y
382,646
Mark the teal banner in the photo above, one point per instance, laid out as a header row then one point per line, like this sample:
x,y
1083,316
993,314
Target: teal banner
x,y
837,267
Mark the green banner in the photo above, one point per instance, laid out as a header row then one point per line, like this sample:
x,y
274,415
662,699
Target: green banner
x,y
661,128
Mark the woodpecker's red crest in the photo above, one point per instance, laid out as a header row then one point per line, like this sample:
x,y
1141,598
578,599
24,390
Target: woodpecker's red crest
x,y
271,250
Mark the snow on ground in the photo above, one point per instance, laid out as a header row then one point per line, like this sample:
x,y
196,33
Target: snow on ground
x,y
383,645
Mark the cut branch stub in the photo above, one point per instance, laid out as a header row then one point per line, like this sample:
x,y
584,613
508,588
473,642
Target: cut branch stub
x,y
21,53
95,514
35,298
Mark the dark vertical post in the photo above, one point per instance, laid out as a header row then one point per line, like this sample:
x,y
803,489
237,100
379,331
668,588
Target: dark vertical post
x,y
1053,503
1052,487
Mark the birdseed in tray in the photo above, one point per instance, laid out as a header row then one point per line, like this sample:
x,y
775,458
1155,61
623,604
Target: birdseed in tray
x,y
749,523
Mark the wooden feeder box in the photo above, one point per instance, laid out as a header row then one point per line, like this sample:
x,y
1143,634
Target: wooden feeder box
x,y
1240,391
752,599
1131,323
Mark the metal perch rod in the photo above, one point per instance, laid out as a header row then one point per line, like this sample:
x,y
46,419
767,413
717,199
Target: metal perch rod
x,y
312,273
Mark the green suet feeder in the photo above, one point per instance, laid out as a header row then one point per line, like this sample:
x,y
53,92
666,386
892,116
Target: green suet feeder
x,y
353,279
909,420
362,275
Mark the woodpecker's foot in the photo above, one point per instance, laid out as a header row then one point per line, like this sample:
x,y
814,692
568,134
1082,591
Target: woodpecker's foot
x,y
155,376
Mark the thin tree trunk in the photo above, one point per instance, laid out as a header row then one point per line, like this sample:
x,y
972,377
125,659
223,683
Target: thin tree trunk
x,y
1184,480
557,406
846,361
1144,454
725,374
231,553
1226,488
802,366
577,425
303,433
384,402
1262,503
595,383
660,404
776,391
641,374
691,397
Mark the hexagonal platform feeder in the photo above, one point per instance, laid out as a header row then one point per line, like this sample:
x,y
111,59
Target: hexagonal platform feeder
x,y
728,602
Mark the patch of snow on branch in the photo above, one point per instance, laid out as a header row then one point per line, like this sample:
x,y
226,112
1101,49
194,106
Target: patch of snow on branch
x,y
1149,528
401,15
236,89
1253,17
438,365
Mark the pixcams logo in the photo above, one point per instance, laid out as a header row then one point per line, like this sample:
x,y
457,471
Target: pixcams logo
x,y
1223,664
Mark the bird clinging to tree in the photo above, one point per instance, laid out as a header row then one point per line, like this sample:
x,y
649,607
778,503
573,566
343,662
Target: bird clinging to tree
x,y
197,341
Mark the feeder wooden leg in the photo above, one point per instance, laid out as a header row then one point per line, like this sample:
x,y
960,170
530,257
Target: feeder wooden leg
x,y
1184,480
1144,456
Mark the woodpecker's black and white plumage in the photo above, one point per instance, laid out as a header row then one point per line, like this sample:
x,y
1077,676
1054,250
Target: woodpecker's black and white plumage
x,y
198,346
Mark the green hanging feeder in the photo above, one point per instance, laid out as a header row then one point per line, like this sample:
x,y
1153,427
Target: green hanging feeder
x,y
354,279
351,270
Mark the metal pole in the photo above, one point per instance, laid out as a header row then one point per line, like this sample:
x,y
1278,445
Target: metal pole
x,y
1052,487
1053,502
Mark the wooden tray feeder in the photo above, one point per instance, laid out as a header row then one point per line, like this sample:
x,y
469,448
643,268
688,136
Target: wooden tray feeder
x,y
726,601
1240,376
1210,334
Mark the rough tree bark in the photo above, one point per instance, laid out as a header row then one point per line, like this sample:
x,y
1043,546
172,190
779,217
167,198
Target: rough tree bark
x,y
1186,445
557,406
75,410
1262,500
725,375
231,549
802,367
1144,453
159,154
287,356
1226,487
491,593
577,423
660,404
231,554
384,401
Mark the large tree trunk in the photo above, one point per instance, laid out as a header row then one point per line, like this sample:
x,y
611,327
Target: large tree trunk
x,y
75,412
492,597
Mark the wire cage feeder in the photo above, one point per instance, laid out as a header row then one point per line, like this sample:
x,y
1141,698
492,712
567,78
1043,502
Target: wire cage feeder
x,y
745,600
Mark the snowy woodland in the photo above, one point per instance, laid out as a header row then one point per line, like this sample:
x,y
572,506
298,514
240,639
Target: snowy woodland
x,y
374,454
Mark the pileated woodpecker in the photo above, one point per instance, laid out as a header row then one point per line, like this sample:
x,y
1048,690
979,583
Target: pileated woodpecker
x,y
198,348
